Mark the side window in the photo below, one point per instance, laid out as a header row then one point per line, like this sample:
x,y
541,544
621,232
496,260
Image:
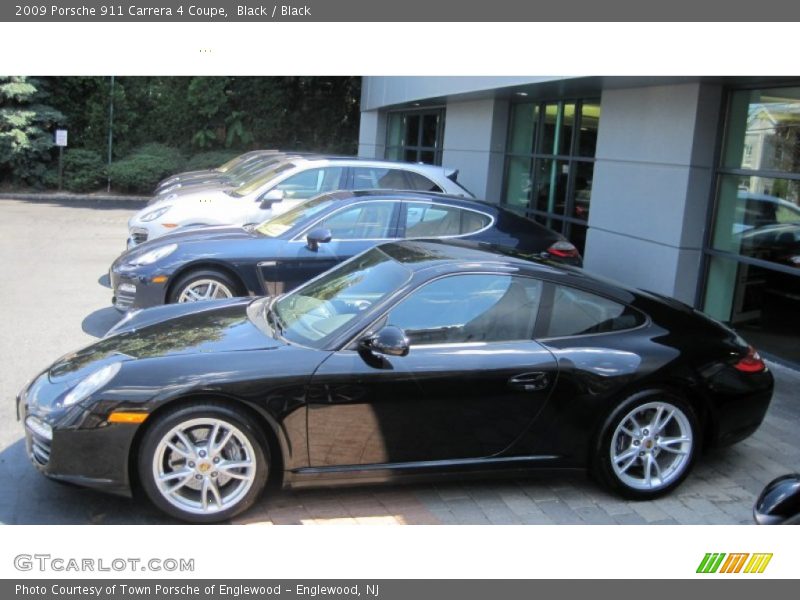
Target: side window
x,y
376,178
470,308
313,182
433,220
575,312
421,183
367,221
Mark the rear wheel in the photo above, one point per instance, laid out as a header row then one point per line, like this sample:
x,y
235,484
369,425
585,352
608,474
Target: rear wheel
x,y
208,284
204,463
648,445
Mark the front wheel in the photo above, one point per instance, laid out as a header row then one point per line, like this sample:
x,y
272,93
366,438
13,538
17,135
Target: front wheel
x,y
648,445
202,285
204,462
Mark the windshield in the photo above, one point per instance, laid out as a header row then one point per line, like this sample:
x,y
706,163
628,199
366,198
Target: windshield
x,y
224,168
242,174
279,225
260,179
314,313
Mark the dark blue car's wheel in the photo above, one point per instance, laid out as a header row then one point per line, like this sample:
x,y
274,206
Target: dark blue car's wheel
x,y
204,462
648,445
206,284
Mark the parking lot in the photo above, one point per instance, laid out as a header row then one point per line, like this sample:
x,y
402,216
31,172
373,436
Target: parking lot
x,y
54,258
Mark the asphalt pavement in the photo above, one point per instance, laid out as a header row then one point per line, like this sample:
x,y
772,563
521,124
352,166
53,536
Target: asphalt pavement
x,y
54,258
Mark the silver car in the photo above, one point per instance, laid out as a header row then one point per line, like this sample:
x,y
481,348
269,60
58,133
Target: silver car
x,y
281,186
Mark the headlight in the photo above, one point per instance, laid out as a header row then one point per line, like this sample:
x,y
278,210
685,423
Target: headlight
x,y
92,383
148,258
154,214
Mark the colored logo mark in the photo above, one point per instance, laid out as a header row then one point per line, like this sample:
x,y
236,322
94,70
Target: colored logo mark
x,y
737,562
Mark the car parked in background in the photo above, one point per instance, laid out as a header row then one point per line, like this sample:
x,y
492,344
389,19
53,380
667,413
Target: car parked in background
x,y
287,250
412,358
282,186
211,174
237,175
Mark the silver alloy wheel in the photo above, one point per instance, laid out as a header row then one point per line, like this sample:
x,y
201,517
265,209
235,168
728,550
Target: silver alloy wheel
x,y
205,289
652,446
204,466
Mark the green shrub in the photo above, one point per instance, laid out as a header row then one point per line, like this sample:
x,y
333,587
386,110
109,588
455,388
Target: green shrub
x,y
210,160
140,171
84,170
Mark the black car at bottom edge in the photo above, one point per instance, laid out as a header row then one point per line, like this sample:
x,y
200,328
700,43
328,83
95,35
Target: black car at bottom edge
x,y
412,358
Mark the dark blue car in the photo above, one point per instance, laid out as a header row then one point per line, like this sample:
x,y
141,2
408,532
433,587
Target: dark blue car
x,y
220,262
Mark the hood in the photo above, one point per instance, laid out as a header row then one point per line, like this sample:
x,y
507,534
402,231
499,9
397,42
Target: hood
x,y
186,235
204,327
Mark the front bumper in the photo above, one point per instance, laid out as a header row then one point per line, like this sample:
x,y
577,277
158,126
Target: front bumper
x,y
132,292
93,454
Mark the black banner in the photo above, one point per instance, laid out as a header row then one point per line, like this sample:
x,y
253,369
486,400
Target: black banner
x,y
385,589
408,10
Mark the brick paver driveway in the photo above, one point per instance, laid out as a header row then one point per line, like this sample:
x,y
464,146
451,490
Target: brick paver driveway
x,y
52,257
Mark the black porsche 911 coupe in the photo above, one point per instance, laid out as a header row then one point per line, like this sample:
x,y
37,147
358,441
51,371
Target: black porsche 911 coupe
x,y
412,358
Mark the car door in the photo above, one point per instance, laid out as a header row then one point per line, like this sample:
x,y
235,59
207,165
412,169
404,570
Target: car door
x,y
353,228
469,387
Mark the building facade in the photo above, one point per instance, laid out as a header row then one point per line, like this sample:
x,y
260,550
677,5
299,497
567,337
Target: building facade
x,y
689,187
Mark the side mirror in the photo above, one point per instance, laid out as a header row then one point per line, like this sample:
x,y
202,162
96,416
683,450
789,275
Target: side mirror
x,y
391,341
779,502
316,237
271,197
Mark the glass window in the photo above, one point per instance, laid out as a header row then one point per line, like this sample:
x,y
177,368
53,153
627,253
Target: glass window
x,y
421,183
764,130
415,136
757,219
587,134
367,221
575,312
470,308
434,220
523,128
374,178
324,306
550,164
312,182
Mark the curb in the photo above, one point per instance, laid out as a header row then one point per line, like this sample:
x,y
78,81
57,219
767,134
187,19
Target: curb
x,y
65,198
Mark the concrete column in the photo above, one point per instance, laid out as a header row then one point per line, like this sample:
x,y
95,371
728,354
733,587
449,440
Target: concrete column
x,y
474,143
652,185
372,134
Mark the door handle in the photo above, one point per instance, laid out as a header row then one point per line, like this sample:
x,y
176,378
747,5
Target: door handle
x,y
529,382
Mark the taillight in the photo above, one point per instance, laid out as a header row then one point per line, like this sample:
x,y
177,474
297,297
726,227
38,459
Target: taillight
x,y
751,363
563,249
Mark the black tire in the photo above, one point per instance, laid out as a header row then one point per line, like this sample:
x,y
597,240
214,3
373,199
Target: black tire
x,y
644,448
187,279
195,417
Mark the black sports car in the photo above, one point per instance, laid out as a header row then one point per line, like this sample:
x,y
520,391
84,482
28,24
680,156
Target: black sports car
x,y
412,358
280,254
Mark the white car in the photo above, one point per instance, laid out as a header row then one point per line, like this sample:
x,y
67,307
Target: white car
x,y
282,186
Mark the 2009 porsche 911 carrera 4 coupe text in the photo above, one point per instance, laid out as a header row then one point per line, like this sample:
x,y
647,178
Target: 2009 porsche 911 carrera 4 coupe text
x,y
412,358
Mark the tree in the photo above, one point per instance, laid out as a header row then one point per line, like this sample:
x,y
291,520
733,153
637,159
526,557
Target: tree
x,y
26,129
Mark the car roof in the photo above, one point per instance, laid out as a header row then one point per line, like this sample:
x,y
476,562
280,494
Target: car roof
x,y
432,257
364,195
299,159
